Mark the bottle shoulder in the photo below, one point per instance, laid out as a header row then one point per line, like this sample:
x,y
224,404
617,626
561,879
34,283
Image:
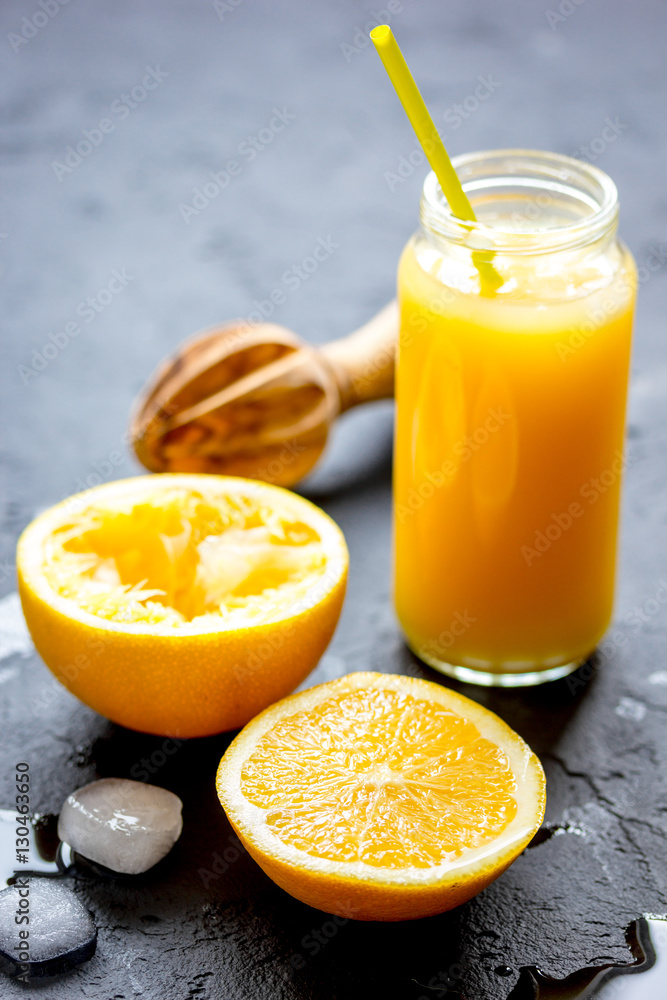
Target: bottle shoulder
x,y
553,277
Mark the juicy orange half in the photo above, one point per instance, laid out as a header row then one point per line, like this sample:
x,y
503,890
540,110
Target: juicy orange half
x,y
381,797
182,605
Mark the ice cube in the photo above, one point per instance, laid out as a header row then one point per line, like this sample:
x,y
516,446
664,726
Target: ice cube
x,y
44,929
125,825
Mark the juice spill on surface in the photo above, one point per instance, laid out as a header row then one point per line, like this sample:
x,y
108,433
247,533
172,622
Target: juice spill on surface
x,y
42,855
643,979
507,416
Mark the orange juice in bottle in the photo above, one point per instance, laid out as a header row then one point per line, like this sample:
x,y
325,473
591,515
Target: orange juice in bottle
x,y
511,395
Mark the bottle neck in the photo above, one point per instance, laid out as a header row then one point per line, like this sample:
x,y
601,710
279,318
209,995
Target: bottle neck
x,y
527,203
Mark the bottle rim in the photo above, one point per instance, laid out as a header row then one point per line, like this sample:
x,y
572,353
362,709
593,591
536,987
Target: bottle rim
x,y
533,170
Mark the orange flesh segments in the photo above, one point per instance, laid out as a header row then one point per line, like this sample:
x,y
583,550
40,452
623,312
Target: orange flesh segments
x,y
381,777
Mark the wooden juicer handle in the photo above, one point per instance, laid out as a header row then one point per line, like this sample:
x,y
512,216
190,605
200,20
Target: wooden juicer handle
x,y
234,397
364,362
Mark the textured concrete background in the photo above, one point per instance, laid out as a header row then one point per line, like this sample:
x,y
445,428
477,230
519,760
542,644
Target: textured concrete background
x,y
556,72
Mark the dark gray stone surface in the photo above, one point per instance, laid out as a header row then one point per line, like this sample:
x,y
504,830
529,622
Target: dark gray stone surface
x,y
183,932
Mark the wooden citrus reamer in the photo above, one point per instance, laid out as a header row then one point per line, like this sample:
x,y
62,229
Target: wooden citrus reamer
x,y
253,399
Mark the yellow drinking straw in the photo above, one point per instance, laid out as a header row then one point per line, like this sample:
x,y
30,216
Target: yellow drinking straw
x,y
436,154
421,121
